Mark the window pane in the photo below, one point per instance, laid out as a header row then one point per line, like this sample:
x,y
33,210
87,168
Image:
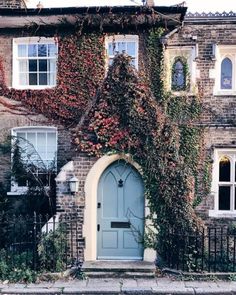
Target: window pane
x,y
23,66
21,139
226,74
52,49
23,79
32,50
22,50
33,65
41,138
51,138
52,65
121,46
43,79
178,78
33,79
224,198
42,50
42,65
31,137
235,198
51,79
111,48
224,169
131,48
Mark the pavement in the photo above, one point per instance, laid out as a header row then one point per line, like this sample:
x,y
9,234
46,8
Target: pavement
x,y
121,287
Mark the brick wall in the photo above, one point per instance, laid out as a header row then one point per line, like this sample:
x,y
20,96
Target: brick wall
x,y
74,204
218,110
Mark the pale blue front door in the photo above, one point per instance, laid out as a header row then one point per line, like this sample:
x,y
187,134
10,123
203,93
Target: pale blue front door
x,y
120,222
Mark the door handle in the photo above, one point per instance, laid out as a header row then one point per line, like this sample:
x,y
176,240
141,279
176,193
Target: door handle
x,y
98,227
99,205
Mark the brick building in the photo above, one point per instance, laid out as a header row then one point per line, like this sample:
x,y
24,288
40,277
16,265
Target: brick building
x,y
205,43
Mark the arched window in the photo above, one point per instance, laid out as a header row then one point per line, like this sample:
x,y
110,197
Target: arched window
x,y
225,187
226,74
224,169
178,79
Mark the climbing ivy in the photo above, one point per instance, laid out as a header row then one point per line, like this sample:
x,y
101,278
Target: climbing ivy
x,y
135,115
129,112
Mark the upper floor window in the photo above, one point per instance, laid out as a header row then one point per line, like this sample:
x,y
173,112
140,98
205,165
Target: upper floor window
x,y
180,64
36,149
122,44
226,74
179,75
224,183
34,62
224,71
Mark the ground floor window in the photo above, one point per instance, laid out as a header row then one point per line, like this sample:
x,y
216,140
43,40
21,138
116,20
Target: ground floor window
x,y
34,150
224,181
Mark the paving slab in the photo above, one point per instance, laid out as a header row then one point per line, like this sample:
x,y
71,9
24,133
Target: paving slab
x,y
36,290
205,284
173,291
212,291
93,290
146,283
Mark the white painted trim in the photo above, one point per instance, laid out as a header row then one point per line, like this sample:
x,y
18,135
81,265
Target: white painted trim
x,y
122,38
15,63
190,54
90,213
218,153
224,51
20,190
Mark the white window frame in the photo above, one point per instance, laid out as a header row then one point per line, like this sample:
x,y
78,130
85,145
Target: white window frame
x,y
15,63
122,38
15,188
222,52
231,154
189,53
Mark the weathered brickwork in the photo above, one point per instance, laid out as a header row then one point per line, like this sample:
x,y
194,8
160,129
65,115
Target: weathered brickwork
x,y
68,203
219,111
218,116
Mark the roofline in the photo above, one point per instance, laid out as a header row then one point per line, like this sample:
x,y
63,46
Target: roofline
x,y
208,18
14,12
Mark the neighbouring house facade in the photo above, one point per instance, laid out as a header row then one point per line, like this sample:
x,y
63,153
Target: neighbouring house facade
x,y
202,45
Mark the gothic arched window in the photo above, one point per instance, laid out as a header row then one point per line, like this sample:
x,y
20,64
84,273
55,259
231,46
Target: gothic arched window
x,y
226,74
178,79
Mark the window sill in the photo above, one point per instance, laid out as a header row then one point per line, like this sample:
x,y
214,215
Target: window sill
x,y
19,191
185,93
33,87
225,93
222,214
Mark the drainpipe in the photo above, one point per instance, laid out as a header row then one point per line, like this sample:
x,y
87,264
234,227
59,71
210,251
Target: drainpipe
x,y
164,39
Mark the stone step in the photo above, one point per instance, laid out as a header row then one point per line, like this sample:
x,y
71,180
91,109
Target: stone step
x,y
118,269
127,275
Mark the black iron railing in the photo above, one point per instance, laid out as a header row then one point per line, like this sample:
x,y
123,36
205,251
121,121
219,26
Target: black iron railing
x,y
211,249
39,242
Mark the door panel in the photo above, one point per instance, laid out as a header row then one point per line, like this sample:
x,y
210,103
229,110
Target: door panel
x,y
121,214
110,206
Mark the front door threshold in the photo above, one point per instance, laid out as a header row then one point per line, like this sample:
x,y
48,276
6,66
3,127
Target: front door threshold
x,y
118,268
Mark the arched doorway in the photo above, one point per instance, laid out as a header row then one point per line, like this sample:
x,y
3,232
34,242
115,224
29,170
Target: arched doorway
x,y
120,213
